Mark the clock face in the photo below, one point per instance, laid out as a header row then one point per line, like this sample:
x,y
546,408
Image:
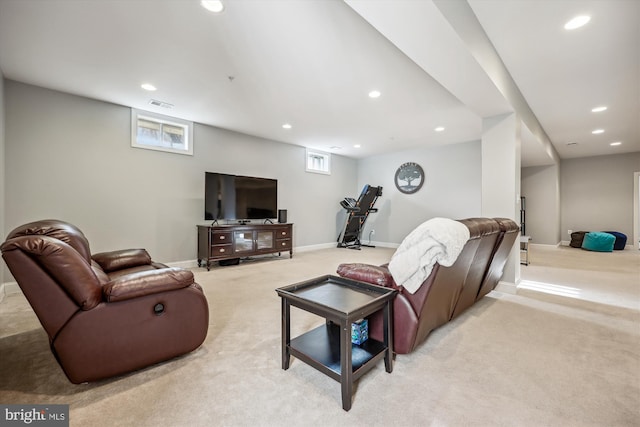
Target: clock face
x,y
409,178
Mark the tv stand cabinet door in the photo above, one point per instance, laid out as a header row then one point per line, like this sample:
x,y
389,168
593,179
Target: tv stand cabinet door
x,y
243,242
264,240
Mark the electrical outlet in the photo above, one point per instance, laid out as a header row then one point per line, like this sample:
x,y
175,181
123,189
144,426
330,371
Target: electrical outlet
x,y
569,232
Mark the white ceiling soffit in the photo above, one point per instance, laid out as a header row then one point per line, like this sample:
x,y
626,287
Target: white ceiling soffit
x,y
563,75
419,29
532,153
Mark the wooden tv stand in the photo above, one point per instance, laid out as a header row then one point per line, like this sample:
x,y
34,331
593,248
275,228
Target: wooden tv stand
x,y
221,242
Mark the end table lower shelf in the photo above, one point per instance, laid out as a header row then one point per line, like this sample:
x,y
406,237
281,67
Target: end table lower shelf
x,y
320,348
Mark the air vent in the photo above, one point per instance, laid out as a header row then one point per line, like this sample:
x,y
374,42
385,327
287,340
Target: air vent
x,y
157,103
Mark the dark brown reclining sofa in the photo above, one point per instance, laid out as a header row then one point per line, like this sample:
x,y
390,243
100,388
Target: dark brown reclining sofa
x,y
105,314
447,291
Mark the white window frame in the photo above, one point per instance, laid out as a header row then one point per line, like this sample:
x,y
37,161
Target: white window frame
x,y
317,161
187,126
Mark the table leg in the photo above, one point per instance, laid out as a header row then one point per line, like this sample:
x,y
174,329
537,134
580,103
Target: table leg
x,y
286,333
346,367
387,314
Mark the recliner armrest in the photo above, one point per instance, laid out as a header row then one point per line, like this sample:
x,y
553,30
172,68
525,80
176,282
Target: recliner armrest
x,y
119,260
375,275
149,282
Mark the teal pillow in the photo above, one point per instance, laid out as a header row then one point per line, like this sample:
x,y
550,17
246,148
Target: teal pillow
x,y
598,242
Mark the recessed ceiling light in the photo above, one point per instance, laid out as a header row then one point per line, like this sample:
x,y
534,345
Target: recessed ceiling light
x,y
357,146
374,94
615,144
286,126
577,22
335,147
598,109
148,86
597,131
215,6
439,129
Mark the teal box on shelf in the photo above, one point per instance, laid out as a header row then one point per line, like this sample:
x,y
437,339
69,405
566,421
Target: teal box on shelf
x,y
360,331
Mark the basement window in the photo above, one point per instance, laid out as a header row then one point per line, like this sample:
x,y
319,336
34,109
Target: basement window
x,y
157,132
318,162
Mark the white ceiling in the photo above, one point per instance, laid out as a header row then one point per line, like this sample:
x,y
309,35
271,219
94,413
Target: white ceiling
x,y
261,64
563,75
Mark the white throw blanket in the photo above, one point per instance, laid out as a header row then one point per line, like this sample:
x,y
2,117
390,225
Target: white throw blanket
x,y
437,240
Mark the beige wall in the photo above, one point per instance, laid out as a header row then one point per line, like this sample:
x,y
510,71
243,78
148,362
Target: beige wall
x,y
597,193
69,157
452,188
540,187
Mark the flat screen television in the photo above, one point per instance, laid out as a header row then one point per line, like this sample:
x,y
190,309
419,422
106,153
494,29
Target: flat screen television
x,y
235,197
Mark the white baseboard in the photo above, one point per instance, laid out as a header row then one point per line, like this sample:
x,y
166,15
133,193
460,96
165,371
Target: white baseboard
x,y
192,263
9,288
546,245
506,287
335,245
309,248
386,245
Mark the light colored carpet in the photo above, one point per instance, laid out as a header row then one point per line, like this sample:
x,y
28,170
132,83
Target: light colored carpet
x,y
510,360
611,278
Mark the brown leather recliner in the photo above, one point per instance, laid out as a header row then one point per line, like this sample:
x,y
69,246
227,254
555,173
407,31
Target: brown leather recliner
x,y
106,314
448,291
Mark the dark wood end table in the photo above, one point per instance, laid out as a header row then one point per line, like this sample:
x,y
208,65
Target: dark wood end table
x,y
328,348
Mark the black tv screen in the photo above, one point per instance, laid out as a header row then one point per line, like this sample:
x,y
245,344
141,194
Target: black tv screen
x,y
235,197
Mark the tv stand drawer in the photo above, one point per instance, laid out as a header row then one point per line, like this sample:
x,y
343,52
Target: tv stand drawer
x,y
221,238
221,251
283,232
283,244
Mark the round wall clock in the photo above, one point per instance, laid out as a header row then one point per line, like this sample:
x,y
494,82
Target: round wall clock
x,y
409,178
